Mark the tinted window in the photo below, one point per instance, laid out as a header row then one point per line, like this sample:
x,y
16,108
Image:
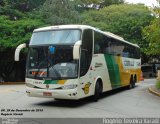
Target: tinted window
x,y
100,43
116,47
55,37
106,45
86,51
131,52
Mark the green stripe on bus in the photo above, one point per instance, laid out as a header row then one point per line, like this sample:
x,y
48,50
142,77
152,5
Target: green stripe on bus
x,y
113,70
51,82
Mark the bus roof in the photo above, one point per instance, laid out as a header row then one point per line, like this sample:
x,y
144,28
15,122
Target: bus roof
x,y
63,27
84,27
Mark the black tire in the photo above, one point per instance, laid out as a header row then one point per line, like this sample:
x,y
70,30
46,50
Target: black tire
x,y
132,83
97,92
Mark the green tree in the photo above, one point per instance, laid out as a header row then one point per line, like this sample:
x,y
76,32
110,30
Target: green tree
x,y
13,33
126,20
151,33
22,5
111,2
57,12
17,22
82,5
17,9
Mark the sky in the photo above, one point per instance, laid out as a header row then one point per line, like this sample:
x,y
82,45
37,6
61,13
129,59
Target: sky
x,y
146,2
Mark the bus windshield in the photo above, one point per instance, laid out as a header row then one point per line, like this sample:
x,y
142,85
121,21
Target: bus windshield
x,y
65,36
55,62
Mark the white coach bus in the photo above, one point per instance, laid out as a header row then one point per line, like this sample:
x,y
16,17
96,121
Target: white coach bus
x,y
77,61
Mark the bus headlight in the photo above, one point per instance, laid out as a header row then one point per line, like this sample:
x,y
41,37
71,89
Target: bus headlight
x,y
71,86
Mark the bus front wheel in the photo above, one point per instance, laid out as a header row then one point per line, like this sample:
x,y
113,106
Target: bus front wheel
x,y
97,92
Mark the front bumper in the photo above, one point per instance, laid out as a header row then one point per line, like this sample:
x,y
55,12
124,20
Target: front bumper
x,y
59,94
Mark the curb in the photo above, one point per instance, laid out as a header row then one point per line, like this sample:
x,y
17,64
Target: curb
x,y
154,92
11,83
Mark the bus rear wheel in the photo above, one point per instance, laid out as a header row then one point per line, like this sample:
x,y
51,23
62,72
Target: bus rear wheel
x,y
132,83
97,91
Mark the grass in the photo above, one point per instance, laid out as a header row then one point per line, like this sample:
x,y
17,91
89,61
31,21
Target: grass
x,y
158,84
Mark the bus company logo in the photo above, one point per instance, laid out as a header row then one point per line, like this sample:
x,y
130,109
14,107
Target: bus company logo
x,y
86,87
128,63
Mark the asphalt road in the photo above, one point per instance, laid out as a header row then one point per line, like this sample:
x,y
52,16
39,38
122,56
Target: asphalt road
x,y
137,102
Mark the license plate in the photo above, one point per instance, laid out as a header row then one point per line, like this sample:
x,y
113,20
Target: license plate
x,y
47,94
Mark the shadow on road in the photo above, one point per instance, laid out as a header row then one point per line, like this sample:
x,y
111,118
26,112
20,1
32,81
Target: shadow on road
x,y
81,102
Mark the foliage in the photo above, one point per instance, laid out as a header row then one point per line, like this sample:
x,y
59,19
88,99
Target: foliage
x,y
151,34
22,5
17,21
14,32
111,2
83,5
126,20
17,9
58,12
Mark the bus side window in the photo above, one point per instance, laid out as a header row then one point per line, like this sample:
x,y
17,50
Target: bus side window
x,y
97,42
137,53
86,51
100,43
107,49
96,48
126,51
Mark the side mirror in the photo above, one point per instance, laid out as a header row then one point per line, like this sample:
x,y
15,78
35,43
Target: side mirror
x,y
18,50
76,50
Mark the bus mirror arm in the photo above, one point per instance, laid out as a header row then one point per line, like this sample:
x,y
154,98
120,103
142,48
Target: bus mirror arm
x,y
18,50
76,50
